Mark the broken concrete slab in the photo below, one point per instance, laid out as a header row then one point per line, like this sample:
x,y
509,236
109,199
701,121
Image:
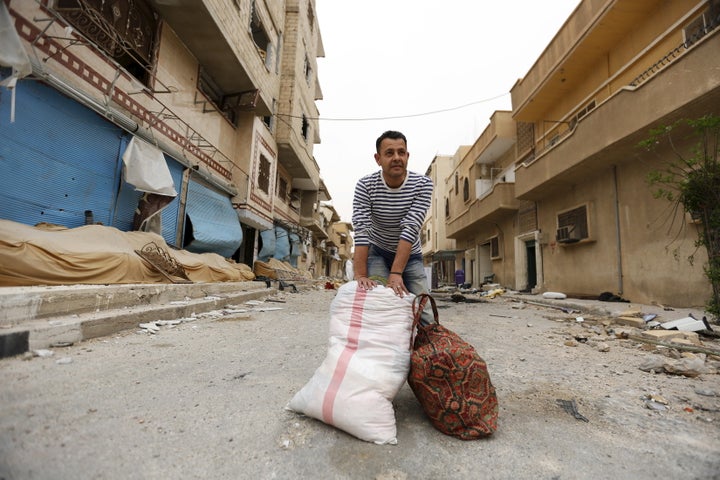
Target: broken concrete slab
x,y
669,335
636,322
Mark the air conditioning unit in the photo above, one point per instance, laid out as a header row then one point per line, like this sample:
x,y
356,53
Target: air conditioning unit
x,y
567,234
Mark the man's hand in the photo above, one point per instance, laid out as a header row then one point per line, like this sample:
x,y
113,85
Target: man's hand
x,y
365,283
395,281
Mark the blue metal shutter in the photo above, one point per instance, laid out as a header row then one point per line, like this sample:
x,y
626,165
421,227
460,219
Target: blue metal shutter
x,y
215,224
58,159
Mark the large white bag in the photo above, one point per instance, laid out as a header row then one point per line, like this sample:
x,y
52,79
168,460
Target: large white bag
x,y
367,362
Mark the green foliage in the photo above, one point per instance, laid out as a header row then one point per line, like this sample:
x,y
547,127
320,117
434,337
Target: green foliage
x,y
692,181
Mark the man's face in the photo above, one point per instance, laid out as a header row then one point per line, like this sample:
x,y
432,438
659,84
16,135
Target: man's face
x,y
393,158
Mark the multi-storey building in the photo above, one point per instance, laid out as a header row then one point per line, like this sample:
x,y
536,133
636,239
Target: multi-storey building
x,y
575,213
340,244
438,248
480,207
218,94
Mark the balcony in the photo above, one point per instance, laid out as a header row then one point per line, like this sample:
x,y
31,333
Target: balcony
x,y
578,47
217,49
295,156
496,205
316,225
687,88
495,140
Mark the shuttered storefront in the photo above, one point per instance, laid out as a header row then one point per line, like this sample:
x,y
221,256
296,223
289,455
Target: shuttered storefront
x,y
212,225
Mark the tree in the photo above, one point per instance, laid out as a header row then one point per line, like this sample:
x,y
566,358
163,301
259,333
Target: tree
x,y
690,179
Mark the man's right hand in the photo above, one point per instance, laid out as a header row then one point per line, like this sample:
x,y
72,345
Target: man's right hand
x,y
365,283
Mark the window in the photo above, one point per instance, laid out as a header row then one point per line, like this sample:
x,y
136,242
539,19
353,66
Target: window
x,y
457,185
263,178
125,31
305,128
494,247
525,138
466,189
573,225
282,189
447,208
260,37
585,110
311,16
269,120
307,71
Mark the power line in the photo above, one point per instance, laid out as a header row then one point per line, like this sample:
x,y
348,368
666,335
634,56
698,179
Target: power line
x,y
368,119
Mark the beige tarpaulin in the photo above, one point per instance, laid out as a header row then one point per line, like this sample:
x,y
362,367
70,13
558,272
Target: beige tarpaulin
x,y
97,254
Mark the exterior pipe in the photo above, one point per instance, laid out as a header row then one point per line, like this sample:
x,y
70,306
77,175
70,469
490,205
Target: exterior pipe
x,y
129,125
617,232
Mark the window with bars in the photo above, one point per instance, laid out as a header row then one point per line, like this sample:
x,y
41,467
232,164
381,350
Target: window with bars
x,y
573,225
123,30
525,138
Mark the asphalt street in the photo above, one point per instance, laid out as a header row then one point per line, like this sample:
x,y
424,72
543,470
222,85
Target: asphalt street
x,y
205,398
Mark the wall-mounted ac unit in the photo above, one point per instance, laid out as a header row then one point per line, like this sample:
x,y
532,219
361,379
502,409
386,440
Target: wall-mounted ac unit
x,y
567,234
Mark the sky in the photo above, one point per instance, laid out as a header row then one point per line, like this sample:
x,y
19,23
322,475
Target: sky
x,y
434,70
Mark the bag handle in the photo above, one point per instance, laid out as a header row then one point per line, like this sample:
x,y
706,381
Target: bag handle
x,y
418,306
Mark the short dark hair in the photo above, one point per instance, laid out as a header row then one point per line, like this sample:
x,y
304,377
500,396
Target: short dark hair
x,y
389,134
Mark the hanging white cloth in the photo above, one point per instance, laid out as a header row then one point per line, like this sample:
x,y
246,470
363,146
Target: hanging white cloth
x,y
145,168
12,54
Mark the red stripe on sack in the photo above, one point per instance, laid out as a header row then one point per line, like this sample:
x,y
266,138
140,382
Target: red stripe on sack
x,y
351,347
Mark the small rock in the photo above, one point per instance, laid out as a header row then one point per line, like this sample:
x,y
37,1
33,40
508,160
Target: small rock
x,y
658,407
603,347
706,392
64,361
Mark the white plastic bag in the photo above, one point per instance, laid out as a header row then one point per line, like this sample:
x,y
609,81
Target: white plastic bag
x,y
367,363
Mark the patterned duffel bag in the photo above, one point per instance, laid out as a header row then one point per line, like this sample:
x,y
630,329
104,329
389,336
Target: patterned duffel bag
x,y
450,380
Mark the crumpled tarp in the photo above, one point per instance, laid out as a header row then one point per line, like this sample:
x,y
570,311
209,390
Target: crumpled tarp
x,y
97,254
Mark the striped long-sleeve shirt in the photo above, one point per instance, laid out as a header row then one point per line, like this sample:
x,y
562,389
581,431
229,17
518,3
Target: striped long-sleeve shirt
x,y
383,215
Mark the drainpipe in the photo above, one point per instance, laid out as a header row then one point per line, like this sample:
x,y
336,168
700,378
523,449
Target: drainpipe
x,y
128,124
617,232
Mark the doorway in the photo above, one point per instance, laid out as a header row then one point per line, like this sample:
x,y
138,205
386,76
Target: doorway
x,y
531,264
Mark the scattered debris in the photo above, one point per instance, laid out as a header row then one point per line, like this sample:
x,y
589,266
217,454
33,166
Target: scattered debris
x,y
688,366
554,295
611,297
43,352
64,361
688,324
571,407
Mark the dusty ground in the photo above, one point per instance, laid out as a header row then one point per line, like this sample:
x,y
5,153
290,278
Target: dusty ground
x,y
205,399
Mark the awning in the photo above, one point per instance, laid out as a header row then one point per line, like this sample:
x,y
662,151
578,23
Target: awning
x,y
446,254
213,222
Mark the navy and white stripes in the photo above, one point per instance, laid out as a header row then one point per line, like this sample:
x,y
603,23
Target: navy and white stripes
x,y
383,215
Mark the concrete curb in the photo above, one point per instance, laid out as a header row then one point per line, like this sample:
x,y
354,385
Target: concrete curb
x,y
34,326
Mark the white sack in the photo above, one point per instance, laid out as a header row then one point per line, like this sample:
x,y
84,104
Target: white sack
x,y
367,363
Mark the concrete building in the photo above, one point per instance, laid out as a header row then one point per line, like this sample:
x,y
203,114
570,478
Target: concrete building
x,y
340,242
220,92
438,248
569,207
481,208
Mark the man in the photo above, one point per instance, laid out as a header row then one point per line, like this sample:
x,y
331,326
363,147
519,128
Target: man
x,y
389,207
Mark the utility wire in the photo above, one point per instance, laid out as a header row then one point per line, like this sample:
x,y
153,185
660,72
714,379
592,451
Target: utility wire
x,y
369,119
